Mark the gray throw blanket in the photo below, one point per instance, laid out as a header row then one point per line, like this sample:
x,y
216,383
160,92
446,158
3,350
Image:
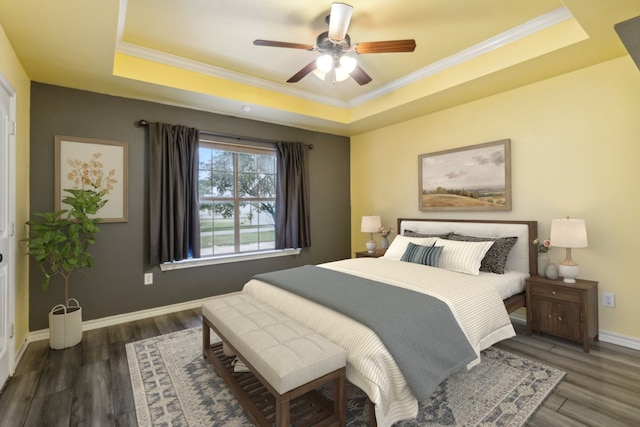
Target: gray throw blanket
x,y
419,331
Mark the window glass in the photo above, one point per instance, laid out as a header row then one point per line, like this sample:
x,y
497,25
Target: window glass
x,y
237,187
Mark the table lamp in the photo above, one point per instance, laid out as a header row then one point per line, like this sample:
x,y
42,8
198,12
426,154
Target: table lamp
x,y
568,233
370,224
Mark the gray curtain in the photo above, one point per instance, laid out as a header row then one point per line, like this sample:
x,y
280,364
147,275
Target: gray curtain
x,y
173,193
292,196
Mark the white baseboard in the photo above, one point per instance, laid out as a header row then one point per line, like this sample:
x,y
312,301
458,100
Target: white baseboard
x,y
621,340
43,334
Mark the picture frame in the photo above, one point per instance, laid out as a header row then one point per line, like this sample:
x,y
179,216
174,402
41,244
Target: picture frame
x,y
472,178
104,161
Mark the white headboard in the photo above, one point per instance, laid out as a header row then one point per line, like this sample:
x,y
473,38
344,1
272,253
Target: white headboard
x,y
521,258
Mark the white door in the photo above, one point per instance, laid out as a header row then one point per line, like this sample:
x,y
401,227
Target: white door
x,y
7,224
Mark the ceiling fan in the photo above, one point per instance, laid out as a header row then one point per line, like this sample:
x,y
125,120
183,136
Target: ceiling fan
x,y
335,47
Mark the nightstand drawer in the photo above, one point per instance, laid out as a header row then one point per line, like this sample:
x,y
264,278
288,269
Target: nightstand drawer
x,y
555,292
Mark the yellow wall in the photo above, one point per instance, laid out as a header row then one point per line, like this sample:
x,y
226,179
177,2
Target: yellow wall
x,y
12,70
575,150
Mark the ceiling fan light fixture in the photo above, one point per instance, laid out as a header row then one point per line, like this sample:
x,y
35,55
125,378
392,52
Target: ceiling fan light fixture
x,y
324,63
348,63
320,74
341,74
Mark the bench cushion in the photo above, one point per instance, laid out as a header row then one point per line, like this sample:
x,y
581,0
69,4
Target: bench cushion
x,y
286,353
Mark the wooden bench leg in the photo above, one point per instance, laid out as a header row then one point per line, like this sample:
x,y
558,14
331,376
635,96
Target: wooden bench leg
x,y
206,339
283,409
340,399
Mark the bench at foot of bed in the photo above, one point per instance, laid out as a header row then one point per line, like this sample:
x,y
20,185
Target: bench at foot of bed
x,y
286,362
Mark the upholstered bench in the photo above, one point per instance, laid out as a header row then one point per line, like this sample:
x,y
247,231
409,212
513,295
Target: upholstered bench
x,y
286,358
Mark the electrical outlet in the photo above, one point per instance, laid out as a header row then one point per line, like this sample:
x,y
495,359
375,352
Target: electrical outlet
x,y
608,299
148,278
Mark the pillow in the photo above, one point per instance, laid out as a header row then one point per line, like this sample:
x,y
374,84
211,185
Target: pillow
x,y
427,255
410,233
399,245
496,257
463,257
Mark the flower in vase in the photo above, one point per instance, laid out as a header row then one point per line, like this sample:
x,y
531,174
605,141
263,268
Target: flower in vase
x,y
385,231
542,247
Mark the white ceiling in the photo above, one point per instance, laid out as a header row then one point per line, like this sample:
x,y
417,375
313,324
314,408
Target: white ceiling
x,y
200,53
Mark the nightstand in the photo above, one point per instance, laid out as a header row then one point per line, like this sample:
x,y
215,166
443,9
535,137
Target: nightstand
x,y
566,310
377,254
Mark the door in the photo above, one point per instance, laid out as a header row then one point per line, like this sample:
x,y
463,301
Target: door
x,y
543,315
569,323
7,224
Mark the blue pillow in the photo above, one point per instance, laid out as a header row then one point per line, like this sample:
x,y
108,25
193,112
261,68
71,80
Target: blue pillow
x,y
427,255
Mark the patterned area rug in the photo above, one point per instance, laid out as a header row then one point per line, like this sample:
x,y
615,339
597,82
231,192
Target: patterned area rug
x,y
173,385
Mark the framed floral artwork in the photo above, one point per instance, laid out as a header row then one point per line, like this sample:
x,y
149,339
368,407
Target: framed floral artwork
x,y
93,164
473,178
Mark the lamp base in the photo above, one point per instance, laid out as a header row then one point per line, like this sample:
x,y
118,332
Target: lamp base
x,y
568,272
371,246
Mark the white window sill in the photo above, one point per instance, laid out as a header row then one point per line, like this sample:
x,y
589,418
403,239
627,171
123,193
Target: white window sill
x,y
200,262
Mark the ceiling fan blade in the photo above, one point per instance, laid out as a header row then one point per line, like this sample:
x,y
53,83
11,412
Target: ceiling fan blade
x,y
360,76
272,43
339,20
388,46
303,72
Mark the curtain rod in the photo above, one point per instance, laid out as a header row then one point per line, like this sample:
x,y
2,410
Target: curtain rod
x,y
226,135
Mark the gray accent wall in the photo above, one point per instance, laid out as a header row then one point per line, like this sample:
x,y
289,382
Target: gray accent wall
x,y
121,254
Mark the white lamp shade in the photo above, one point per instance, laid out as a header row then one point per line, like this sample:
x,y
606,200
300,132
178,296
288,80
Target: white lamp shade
x,y
370,224
568,233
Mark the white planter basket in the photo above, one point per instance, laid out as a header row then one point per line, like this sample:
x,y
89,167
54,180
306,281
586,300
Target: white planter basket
x,y
65,328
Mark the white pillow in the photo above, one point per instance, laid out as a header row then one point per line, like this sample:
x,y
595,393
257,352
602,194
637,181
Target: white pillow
x,y
399,245
463,257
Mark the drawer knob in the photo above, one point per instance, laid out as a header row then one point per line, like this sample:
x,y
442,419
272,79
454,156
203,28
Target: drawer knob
x,y
553,292
549,316
559,319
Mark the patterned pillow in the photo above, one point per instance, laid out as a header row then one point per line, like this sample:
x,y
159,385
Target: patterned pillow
x,y
410,233
463,257
496,258
427,255
399,245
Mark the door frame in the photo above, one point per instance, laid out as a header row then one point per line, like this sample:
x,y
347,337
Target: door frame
x,y
6,87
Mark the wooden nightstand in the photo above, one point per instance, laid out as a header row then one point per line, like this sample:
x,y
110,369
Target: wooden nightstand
x,y
566,310
377,254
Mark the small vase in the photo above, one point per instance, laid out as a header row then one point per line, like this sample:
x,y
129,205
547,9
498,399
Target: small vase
x,y
543,262
551,271
384,242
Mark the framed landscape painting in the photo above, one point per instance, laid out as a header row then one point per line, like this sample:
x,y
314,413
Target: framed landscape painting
x,y
93,164
473,178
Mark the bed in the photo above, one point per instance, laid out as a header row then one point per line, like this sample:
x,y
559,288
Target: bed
x,y
476,303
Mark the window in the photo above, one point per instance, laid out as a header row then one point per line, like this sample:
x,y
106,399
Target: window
x,y
237,193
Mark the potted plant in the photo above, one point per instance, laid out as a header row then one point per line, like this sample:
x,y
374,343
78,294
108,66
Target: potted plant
x,y
59,242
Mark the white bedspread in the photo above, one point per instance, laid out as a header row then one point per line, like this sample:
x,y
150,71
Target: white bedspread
x,y
476,305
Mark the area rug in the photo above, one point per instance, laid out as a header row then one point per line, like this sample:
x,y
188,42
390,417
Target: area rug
x,y
173,385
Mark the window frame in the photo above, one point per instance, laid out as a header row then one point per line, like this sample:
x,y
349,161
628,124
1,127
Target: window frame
x,y
236,200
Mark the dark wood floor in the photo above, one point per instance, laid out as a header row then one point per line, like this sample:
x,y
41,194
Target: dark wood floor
x,y
88,385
